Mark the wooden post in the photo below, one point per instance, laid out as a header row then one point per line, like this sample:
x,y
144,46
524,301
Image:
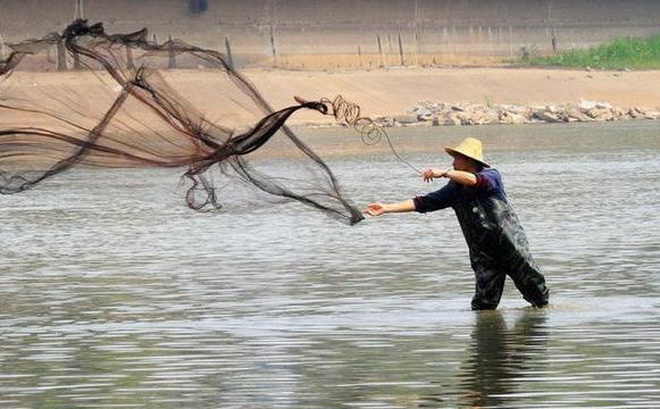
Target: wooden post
x,y
2,48
359,57
77,65
272,44
230,59
270,20
380,51
510,43
390,49
418,32
418,47
61,56
129,58
403,63
172,55
80,12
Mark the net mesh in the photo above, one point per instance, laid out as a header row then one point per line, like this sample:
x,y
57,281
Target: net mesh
x,y
123,110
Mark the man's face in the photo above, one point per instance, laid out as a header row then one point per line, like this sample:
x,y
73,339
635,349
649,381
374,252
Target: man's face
x,y
462,163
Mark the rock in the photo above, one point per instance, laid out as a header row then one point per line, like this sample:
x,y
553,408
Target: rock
x,y
385,121
587,105
652,115
547,116
511,118
575,115
619,114
437,114
453,119
485,118
423,113
405,119
600,114
643,113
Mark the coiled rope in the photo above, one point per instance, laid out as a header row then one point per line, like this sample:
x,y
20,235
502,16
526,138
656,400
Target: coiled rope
x,y
349,114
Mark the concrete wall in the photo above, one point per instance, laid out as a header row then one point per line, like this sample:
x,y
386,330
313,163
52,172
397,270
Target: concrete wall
x,y
352,33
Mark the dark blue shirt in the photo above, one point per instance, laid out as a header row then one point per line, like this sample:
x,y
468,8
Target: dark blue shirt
x,y
489,183
489,224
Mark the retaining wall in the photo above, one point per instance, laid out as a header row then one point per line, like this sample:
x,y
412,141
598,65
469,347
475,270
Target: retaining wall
x,y
357,34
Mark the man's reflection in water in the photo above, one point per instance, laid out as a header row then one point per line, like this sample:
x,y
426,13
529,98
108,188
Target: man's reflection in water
x,y
499,357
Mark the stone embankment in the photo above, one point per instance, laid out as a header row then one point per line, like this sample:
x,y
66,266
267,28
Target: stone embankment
x,y
440,113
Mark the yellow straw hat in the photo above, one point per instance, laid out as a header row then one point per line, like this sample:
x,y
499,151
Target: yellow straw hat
x,y
471,148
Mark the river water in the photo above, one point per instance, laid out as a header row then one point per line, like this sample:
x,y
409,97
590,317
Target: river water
x,y
115,295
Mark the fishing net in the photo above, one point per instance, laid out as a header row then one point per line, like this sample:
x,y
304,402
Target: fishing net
x,y
121,109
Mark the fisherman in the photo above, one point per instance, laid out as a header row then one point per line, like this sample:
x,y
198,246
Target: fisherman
x,y
497,243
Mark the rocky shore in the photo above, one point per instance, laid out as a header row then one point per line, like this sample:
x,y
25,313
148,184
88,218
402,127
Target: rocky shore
x,y
473,96
461,114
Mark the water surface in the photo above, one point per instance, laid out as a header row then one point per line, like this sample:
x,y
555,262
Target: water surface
x,y
115,295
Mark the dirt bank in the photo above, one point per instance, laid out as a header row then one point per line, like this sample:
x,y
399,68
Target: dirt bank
x,y
397,91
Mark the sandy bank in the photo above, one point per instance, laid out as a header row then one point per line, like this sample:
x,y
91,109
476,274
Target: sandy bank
x,y
397,91
394,92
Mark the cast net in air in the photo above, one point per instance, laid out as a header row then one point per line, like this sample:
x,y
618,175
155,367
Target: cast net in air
x,y
123,110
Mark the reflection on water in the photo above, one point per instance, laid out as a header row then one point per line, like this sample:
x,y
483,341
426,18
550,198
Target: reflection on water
x,y
500,356
498,360
114,295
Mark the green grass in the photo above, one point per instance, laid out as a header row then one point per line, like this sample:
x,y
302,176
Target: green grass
x,y
621,53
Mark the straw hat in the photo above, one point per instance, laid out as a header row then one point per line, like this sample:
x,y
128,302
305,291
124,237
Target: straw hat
x,y
471,148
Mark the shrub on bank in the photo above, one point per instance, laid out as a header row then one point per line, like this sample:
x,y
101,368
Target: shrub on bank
x,y
621,53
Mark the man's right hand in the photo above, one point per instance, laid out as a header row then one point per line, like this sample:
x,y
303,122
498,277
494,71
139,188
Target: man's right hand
x,y
374,209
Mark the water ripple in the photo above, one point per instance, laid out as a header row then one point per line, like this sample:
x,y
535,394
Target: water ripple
x,y
117,300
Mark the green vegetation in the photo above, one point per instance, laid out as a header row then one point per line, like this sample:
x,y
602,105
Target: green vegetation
x,y
622,53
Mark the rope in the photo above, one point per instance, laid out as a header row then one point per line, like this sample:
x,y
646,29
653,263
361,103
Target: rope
x,y
370,132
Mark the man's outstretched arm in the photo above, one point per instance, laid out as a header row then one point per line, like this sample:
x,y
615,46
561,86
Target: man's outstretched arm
x,y
377,209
